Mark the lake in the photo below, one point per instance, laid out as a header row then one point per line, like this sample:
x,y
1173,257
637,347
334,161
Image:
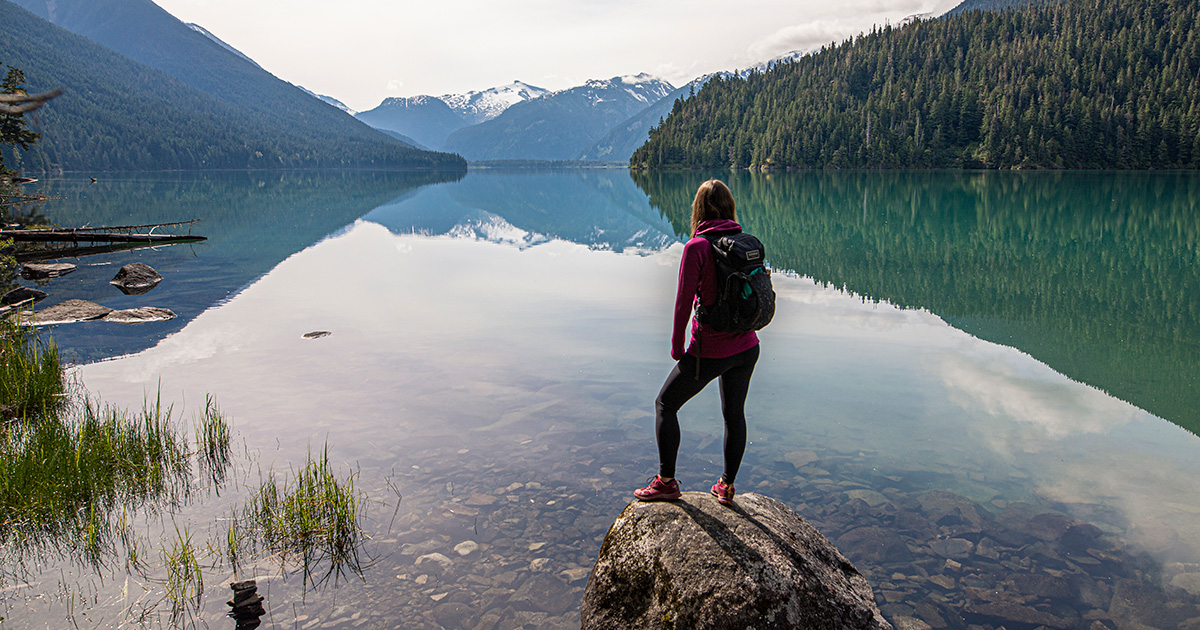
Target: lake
x,y
983,387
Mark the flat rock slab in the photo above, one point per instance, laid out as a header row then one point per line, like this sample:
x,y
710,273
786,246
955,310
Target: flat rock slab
x,y
41,271
136,279
140,315
69,312
694,563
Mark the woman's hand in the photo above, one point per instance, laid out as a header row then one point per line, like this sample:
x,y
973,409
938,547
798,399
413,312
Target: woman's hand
x,y
677,354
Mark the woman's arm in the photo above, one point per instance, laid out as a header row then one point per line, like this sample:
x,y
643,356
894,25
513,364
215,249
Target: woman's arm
x,y
685,294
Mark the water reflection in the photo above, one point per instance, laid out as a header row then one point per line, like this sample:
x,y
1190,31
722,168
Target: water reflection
x,y
602,209
1097,275
252,221
506,392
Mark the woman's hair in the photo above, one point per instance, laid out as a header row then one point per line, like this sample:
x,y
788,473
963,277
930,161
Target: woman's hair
x,y
713,201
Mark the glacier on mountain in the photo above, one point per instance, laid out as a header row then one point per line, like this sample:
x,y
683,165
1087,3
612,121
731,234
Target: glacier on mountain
x,y
483,105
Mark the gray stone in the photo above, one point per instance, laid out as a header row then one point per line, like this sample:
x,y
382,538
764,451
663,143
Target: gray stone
x,y
140,315
1136,606
1189,582
435,561
957,548
136,279
22,295
874,545
1041,585
871,497
1013,613
910,623
68,312
694,563
36,271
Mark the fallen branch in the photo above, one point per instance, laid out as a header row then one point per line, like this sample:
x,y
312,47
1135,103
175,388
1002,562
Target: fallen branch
x,y
22,103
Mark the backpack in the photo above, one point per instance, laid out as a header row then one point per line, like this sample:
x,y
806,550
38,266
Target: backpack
x,y
745,298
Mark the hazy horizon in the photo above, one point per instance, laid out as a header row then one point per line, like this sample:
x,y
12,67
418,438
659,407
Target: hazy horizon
x,y
475,45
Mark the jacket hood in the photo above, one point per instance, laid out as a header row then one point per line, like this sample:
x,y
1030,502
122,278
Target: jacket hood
x,y
717,225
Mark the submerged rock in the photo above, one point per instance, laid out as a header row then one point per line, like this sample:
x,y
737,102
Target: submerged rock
x,y
140,315
68,312
37,271
694,563
136,279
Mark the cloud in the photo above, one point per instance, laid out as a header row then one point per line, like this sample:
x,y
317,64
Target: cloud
x,y
1030,405
394,85
803,37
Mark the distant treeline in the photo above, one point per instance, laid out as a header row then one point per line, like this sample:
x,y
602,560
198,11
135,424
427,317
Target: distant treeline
x,y
1081,84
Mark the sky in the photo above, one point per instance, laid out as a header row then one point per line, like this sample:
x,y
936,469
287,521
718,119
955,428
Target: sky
x,y
362,51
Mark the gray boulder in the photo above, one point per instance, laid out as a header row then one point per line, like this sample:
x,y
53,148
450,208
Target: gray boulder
x,y
140,315
22,295
136,279
68,312
694,563
36,271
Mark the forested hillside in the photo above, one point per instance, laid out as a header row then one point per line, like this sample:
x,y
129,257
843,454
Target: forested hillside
x,y
117,114
1082,84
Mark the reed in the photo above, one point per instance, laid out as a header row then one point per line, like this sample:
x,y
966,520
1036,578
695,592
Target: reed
x,y
31,375
185,578
69,480
312,518
213,435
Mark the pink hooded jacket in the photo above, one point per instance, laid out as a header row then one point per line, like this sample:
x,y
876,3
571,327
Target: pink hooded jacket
x,y
698,285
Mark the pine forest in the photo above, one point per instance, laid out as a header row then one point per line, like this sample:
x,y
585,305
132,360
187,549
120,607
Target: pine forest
x,y
1082,84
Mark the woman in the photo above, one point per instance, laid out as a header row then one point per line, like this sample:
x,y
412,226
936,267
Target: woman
x,y
711,354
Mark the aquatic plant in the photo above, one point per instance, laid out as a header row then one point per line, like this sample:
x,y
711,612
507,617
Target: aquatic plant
x,y
71,482
68,480
212,435
313,517
185,578
31,376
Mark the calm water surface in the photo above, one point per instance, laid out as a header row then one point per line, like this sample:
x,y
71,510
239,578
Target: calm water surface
x,y
983,388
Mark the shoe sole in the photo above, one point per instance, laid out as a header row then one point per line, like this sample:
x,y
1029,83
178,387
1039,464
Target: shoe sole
x,y
660,497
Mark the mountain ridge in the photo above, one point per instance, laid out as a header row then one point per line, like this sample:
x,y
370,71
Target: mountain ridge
x,y
118,114
559,125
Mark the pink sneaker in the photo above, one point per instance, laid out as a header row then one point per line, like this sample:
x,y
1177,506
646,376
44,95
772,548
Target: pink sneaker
x,y
723,492
658,490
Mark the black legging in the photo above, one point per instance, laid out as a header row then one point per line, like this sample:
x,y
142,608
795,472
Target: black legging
x,y
683,383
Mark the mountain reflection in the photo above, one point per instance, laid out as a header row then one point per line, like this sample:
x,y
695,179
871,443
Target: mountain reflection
x,y
602,209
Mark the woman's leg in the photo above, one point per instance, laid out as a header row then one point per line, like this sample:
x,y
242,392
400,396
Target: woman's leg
x,y
735,385
680,387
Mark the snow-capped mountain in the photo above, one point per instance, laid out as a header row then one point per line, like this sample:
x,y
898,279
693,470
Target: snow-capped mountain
x,y
643,87
327,99
622,140
559,125
483,105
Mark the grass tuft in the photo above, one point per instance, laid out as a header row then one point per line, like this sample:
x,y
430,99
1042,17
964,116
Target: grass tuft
x,y
312,517
31,375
